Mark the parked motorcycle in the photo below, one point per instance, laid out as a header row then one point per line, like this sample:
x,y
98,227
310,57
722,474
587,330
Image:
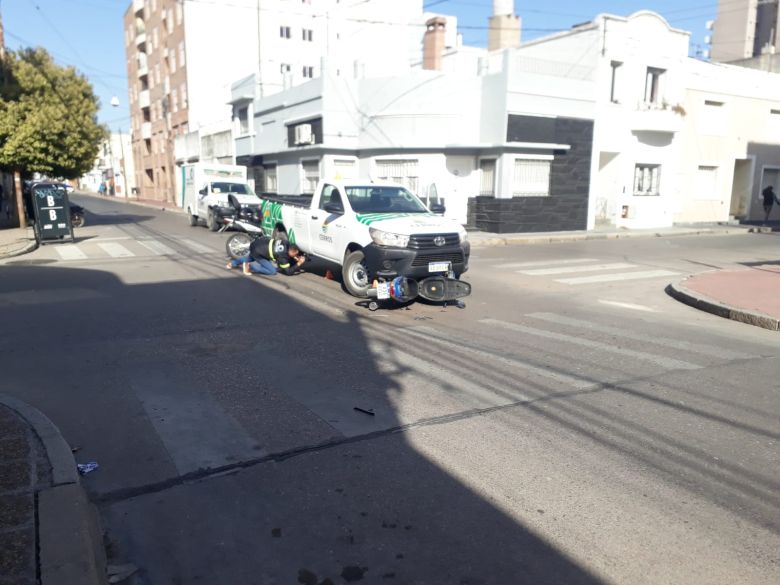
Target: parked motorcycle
x,y
246,222
77,216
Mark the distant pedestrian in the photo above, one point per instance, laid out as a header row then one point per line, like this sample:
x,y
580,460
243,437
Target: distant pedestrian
x,y
102,188
769,200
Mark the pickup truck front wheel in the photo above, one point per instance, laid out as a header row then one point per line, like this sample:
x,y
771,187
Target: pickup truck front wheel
x,y
211,222
355,274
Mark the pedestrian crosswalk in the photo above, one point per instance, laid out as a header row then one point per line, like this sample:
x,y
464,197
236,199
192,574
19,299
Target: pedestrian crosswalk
x,y
582,271
125,248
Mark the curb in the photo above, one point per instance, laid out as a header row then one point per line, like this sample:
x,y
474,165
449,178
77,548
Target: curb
x,y
130,201
558,238
31,246
697,301
69,533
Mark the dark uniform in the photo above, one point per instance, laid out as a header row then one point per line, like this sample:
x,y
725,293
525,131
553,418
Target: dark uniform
x,y
276,251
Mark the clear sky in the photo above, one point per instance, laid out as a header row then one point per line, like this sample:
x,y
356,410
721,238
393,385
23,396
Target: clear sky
x,y
88,34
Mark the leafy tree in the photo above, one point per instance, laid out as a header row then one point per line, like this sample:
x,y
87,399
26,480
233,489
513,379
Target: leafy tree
x,y
48,118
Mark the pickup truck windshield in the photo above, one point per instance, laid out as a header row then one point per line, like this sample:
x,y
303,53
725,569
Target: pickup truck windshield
x,y
374,199
237,188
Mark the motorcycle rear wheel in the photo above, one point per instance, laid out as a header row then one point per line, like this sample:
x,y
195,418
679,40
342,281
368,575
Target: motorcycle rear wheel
x,y
237,245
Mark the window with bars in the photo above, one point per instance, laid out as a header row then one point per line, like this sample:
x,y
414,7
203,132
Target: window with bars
x,y
402,171
487,179
311,175
284,32
308,71
532,177
647,179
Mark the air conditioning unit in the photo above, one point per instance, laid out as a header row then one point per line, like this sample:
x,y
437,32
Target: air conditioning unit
x,y
303,134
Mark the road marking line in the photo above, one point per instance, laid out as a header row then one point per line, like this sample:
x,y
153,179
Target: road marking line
x,y
664,362
547,263
628,306
196,430
431,335
115,250
617,277
699,348
575,269
197,247
157,248
70,252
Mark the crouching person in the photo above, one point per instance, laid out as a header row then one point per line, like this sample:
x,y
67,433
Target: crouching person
x,y
269,256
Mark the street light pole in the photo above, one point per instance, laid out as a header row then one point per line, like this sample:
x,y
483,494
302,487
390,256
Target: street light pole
x,y
115,104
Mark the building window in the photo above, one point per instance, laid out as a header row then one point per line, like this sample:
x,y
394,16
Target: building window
x,y
155,38
532,177
707,183
613,87
269,179
647,179
172,59
399,171
284,32
311,175
183,93
169,21
487,176
308,71
308,34
178,12
181,53
157,74
285,68
345,168
174,101
243,120
653,85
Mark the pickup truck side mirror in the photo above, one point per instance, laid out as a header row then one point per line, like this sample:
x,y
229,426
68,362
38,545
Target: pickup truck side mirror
x,y
438,208
334,208
204,191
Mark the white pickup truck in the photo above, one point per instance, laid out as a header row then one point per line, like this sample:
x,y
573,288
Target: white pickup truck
x,y
374,231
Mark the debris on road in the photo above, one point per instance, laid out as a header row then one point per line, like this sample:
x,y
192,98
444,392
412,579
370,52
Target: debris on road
x,y
85,468
364,411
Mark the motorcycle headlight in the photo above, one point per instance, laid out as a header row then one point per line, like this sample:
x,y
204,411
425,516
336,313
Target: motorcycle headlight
x,y
388,238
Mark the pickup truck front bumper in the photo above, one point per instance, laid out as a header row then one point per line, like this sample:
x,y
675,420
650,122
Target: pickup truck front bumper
x,y
385,262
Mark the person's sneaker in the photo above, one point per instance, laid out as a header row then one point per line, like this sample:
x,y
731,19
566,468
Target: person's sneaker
x,y
229,266
246,269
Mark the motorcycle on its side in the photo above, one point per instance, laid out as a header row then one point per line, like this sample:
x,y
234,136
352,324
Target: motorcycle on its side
x,y
246,222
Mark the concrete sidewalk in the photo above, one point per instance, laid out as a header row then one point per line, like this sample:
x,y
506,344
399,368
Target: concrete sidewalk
x,y
749,295
16,241
49,533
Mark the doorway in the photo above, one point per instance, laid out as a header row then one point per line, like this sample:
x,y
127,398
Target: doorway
x,y
741,187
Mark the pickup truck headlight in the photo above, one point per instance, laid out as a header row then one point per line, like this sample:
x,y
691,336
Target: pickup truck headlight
x,y
463,235
388,238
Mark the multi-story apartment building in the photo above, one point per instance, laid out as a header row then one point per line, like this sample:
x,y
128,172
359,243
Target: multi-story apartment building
x,y
744,29
182,57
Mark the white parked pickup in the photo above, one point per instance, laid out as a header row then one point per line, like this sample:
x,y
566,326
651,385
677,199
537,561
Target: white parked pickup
x,y
374,231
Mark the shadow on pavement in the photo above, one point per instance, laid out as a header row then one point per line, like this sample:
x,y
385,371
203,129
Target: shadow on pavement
x,y
223,415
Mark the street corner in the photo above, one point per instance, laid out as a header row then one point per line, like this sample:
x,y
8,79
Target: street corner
x,y
14,242
47,525
722,293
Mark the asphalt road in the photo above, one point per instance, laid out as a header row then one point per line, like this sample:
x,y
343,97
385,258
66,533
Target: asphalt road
x,y
556,430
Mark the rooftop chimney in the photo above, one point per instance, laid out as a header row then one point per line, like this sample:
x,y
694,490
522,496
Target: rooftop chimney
x,y
504,32
433,43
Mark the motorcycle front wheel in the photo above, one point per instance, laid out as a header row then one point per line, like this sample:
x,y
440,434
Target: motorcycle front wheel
x,y
237,245
77,221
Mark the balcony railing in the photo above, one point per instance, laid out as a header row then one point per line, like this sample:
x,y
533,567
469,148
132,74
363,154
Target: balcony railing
x,y
143,99
138,6
146,130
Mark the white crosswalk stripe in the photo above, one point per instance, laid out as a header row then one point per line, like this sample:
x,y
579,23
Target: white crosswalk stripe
x,y
617,277
197,247
664,362
699,348
70,252
157,248
115,250
545,263
577,269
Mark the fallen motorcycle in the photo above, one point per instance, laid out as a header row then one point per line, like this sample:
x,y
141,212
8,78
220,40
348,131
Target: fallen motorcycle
x,y
440,289
246,222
